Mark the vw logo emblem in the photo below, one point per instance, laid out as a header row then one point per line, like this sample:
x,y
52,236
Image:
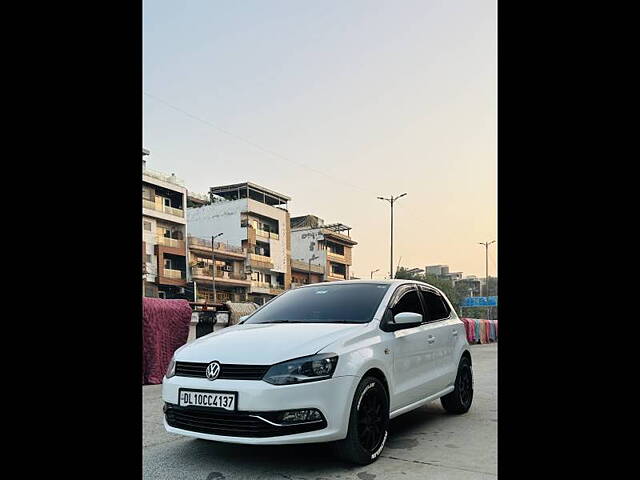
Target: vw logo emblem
x,y
213,370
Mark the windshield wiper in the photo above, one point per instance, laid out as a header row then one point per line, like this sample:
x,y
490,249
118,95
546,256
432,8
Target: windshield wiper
x,y
284,321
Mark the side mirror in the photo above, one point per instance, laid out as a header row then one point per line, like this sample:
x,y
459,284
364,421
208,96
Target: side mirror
x,y
243,318
407,319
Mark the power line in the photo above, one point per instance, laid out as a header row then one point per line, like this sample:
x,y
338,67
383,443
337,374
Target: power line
x,y
252,143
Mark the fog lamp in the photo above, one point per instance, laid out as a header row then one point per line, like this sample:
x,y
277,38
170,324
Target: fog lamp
x,y
300,416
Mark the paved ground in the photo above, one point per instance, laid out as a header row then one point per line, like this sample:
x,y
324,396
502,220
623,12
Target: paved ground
x,y
425,443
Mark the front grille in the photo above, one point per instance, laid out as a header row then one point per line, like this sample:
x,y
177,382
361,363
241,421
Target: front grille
x,y
228,371
231,424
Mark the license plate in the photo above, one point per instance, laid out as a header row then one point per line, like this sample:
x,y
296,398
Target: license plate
x,y
203,398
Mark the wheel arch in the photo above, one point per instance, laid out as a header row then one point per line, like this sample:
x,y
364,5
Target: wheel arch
x,y
380,375
466,354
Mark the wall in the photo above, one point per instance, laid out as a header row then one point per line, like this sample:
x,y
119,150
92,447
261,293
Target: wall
x,y
304,244
279,253
221,217
149,238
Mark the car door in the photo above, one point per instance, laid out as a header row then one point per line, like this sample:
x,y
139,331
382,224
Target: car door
x,y
413,355
444,331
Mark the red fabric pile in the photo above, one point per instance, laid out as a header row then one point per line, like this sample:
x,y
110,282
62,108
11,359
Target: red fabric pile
x,y
165,328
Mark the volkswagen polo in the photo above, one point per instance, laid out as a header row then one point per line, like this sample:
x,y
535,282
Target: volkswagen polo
x,y
330,362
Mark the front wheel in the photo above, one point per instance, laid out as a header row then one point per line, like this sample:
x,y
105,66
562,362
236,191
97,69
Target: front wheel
x,y
368,423
459,401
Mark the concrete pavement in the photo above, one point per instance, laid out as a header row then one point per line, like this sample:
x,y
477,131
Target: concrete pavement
x,y
425,443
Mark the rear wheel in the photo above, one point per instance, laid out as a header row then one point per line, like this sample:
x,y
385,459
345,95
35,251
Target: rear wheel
x,y
459,401
368,423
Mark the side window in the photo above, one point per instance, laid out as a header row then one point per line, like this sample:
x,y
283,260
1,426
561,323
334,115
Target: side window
x,y
437,307
408,302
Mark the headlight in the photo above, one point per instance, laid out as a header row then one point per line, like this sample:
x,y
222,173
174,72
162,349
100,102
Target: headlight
x,y
305,369
171,369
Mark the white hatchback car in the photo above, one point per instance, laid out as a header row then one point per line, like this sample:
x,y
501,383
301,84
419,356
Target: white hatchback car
x,y
329,362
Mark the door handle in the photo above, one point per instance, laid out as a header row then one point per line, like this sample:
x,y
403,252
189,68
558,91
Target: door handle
x,y
431,339
455,333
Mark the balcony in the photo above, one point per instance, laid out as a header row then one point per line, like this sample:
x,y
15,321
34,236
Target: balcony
x,y
159,207
336,276
221,274
265,234
266,288
221,297
336,257
170,242
260,261
204,244
173,274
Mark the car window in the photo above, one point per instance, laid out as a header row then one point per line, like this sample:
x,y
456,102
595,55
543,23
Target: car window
x,y
408,302
437,307
324,303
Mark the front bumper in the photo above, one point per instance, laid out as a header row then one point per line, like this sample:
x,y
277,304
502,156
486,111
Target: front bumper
x,y
332,397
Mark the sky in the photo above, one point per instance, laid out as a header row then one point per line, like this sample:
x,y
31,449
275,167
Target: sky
x,y
335,103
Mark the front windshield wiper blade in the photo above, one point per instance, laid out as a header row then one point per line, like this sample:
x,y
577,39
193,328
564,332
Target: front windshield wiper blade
x,y
284,321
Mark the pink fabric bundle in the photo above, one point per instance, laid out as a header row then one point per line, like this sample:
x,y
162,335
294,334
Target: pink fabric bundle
x,y
165,328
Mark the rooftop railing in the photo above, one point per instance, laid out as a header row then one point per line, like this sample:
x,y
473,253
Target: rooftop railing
x,y
163,176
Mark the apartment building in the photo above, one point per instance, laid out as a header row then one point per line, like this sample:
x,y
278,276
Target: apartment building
x,y
164,231
232,283
255,219
442,271
325,246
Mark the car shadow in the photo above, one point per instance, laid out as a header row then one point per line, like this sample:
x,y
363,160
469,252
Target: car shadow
x,y
305,459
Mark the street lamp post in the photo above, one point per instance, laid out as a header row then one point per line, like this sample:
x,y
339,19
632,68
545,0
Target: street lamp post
x,y
486,276
213,259
391,200
312,258
374,271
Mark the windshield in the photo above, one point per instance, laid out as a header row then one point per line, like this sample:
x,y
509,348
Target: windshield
x,y
325,303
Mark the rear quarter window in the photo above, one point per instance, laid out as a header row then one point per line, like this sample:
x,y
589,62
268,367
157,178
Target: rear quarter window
x,y
437,307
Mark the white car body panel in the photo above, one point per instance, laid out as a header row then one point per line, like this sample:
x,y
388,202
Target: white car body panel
x,y
416,372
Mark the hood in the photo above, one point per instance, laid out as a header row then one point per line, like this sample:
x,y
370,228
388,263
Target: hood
x,y
266,343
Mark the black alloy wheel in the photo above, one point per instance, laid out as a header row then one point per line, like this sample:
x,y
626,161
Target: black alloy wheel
x,y
370,420
465,385
368,423
459,401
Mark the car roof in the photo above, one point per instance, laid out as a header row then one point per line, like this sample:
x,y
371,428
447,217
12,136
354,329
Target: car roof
x,y
395,281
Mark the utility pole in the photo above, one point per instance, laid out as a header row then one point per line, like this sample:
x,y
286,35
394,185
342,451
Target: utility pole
x,y
486,259
213,270
374,271
391,200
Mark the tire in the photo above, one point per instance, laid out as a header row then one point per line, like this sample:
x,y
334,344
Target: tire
x,y
369,413
459,401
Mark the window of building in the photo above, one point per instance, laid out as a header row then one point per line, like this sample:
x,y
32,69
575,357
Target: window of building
x,y
148,258
167,264
335,248
149,291
437,307
147,226
161,294
408,302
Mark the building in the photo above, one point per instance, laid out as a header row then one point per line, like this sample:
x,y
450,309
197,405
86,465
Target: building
x,y
164,231
442,271
324,246
232,283
255,219
469,286
303,273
